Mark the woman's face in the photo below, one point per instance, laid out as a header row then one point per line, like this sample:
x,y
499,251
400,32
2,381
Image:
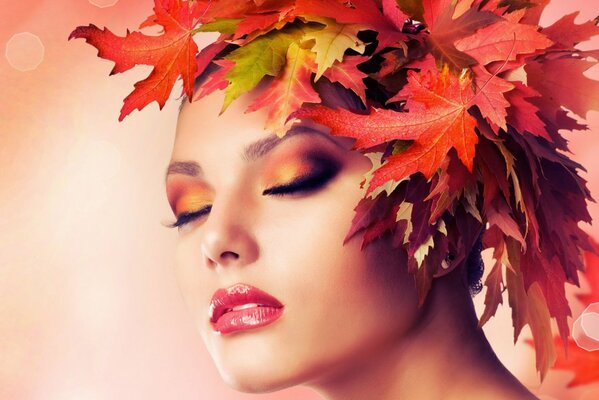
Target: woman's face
x,y
273,214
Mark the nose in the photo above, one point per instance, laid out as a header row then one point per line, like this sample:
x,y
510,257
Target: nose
x,y
228,238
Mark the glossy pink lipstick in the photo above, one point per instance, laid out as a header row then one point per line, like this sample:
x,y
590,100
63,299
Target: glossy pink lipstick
x,y
241,307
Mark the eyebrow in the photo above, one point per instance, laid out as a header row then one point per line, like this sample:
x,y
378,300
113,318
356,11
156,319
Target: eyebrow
x,y
252,152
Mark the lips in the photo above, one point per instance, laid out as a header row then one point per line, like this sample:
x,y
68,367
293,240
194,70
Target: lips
x,y
241,307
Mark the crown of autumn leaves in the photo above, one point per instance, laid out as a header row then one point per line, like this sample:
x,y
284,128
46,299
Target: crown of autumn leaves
x,y
463,101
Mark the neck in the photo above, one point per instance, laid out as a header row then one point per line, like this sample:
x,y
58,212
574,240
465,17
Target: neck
x,y
445,356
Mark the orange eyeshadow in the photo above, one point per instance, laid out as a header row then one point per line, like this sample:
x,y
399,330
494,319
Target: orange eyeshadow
x,y
280,172
187,194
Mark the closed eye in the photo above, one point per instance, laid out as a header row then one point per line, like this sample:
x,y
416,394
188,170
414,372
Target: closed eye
x,y
187,217
303,184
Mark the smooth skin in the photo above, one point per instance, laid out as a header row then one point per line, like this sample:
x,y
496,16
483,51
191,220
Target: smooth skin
x,y
351,328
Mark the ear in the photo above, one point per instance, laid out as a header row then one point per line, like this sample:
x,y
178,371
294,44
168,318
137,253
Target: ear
x,y
449,264
464,236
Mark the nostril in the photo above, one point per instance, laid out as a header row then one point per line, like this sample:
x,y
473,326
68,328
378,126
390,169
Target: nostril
x,y
229,255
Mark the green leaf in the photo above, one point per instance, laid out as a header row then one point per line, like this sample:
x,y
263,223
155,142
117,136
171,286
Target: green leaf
x,y
226,26
291,89
266,55
400,146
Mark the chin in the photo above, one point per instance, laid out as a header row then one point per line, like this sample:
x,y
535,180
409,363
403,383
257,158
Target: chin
x,y
253,383
257,378
254,364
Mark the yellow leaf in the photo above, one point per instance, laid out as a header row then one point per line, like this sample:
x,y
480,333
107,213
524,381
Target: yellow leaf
x,y
331,42
422,251
405,212
388,187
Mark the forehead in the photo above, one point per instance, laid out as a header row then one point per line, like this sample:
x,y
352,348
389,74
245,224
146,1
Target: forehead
x,y
203,133
201,126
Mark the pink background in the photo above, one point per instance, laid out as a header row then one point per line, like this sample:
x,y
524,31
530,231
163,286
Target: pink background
x,y
89,306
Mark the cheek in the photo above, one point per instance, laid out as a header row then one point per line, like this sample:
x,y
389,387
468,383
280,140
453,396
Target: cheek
x,y
192,279
343,300
365,294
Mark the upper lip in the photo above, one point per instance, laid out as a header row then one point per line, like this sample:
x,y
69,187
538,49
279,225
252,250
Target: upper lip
x,y
239,294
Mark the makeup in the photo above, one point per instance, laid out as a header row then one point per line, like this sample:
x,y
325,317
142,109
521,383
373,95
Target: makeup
x,y
187,195
298,169
242,307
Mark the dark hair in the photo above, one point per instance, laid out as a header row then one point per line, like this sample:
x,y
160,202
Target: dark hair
x,y
475,267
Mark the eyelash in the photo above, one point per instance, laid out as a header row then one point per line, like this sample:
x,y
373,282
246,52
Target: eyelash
x,y
304,184
187,217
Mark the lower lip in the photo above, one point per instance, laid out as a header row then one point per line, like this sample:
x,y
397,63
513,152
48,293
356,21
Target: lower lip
x,y
249,318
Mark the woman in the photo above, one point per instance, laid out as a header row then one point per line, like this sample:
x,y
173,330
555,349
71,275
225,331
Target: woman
x,y
341,320
306,262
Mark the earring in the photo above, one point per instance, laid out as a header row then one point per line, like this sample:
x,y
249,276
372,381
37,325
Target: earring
x,y
446,263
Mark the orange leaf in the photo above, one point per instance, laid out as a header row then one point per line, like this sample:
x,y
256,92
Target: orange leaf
x,y
289,91
503,41
445,31
490,98
172,54
348,74
584,364
437,121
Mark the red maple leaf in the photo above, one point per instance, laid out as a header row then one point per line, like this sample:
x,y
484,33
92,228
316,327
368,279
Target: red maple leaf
x,y
522,114
453,179
288,91
208,53
375,217
364,12
394,14
503,41
533,14
445,31
437,121
240,9
584,364
172,54
566,34
263,22
490,98
577,93
433,10
348,74
216,80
